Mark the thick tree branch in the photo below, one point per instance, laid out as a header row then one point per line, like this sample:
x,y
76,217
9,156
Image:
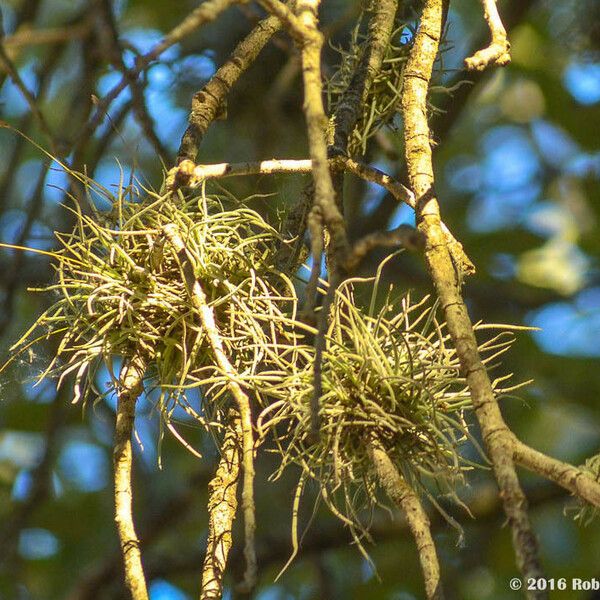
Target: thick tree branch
x,y
496,435
130,387
160,520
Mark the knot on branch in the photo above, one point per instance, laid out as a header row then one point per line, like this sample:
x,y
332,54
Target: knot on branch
x,y
497,53
180,176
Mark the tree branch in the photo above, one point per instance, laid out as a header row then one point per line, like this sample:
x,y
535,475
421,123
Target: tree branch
x,y
46,35
222,508
160,520
188,174
210,100
497,53
403,194
450,108
403,236
130,387
496,434
569,477
207,320
408,502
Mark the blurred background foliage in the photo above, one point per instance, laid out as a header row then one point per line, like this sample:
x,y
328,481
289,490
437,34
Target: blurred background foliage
x,y
518,174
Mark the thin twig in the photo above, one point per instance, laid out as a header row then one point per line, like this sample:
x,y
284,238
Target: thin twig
x,y
130,387
222,508
188,174
115,50
13,73
496,434
207,320
497,53
207,11
407,500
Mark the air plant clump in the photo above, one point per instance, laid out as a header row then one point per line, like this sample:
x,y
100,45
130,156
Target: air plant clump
x,y
120,290
389,375
383,98
583,511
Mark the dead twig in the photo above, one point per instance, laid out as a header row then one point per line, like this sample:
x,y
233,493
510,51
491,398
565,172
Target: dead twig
x,y
497,53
